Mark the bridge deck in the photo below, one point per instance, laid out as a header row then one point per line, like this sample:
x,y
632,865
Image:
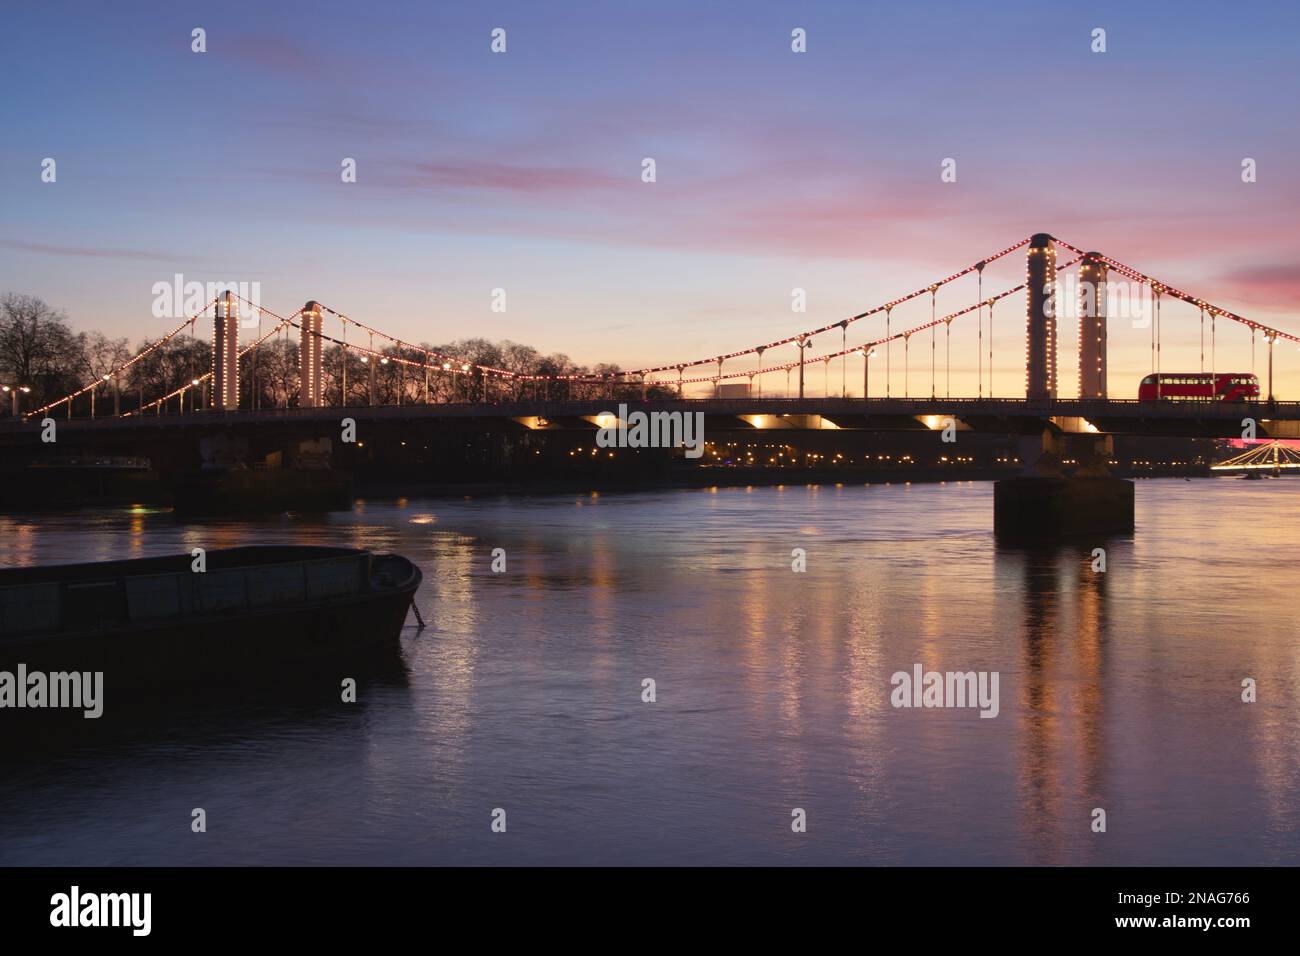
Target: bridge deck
x,y
1111,416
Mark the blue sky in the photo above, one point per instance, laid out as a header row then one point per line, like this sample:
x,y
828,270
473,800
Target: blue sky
x,y
521,170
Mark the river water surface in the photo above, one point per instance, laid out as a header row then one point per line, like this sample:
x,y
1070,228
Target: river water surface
x,y
1119,690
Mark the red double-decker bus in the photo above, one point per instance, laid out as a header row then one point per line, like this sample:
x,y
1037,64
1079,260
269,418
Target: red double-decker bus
x,y
1199,387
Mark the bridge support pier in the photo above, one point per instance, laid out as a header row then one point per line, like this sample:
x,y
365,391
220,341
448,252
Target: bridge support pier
x,y
1045,504
293,475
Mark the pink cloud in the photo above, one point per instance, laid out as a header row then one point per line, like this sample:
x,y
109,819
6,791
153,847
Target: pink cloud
x,y
514,178
1277,284
277,54
87,252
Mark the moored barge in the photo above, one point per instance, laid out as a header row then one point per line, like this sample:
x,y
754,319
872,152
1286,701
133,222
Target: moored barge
x,y
258,611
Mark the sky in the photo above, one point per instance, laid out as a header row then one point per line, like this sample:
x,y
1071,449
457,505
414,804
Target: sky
x,y
774,170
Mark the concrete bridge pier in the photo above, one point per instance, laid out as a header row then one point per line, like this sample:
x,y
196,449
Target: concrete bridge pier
x,y
1045,504
1094,454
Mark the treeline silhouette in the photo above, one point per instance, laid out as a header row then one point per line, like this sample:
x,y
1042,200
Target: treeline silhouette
x,y
39,350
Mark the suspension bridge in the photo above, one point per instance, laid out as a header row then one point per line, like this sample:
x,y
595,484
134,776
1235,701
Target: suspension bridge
x,y
218,388
1270,456
758,388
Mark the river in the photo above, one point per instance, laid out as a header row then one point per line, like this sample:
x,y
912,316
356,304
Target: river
x,y
1119,690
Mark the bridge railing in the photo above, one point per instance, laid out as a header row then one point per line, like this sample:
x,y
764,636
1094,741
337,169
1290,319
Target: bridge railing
x,y
892,406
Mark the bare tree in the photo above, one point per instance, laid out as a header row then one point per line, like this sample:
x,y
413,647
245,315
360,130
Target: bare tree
x,y
101,357
170,366
277,373
336,361
37,349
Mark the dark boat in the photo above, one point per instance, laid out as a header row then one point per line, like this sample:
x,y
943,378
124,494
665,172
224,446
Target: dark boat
x,y
254,612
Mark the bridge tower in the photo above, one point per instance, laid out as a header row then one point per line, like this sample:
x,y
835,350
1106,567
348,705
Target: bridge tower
x,y
310,357
225,353
1092,326
1040,318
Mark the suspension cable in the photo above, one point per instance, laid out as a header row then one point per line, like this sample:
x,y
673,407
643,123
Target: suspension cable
x,y
885,307
844,361
1157,342
889,341
932,330
979,345
152,347
991,304
1214,362
907,340
206,376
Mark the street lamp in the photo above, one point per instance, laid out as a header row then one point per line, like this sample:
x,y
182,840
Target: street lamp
x,y
867,356
1271,337
365,360
194,396
803,343
117,391
93,387
14,391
